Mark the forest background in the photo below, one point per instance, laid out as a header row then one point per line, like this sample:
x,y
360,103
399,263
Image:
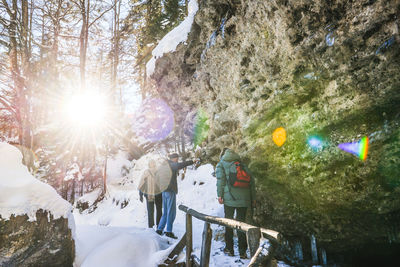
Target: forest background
x,y
55,50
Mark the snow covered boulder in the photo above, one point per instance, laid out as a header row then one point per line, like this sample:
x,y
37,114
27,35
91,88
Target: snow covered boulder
x,y
36,224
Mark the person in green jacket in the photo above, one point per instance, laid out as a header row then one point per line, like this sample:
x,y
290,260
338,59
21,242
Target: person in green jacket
x,y
233,198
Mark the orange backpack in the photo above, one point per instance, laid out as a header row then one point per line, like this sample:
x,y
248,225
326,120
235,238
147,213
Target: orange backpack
x,y
238,177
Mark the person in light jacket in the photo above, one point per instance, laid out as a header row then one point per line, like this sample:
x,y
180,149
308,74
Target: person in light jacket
x,y
149,189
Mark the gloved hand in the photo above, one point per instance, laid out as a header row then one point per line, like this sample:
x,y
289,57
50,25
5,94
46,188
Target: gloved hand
x,y
141,198
196,162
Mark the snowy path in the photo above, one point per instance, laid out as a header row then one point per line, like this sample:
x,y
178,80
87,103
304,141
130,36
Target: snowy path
x,y
111,236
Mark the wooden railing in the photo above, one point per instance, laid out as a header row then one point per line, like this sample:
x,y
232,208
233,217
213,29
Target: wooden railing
x,y
253,235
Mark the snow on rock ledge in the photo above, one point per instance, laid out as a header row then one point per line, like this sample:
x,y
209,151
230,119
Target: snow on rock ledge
x,y
37,226
21,193
172,39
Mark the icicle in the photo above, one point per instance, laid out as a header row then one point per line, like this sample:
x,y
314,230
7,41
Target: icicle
x,y
323,257
330,39
298,250
314,253
211,40
392,234
383,47
222,28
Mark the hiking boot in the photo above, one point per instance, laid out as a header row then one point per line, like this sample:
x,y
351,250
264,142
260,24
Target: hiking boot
x,y
159,232
171,235
229,251
243,255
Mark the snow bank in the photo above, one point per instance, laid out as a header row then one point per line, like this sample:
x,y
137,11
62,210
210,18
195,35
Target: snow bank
x,y
91,197
170,41
21,193
117,246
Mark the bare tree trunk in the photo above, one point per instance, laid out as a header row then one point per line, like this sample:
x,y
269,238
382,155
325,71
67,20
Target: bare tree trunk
x,y
42,41
81,166
105,175
25,57
86,37
24,35
115,45
54,48
73,190
15,71
19,31
83,38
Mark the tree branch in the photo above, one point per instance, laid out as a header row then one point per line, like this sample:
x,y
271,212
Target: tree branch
x,y
7,7
7,105
4,43
5,22
40,45
102,14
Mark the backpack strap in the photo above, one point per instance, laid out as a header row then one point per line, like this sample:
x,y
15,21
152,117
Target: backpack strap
x,y
229,185
229,190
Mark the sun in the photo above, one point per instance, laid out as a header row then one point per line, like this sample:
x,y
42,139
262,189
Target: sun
x,y
86,110
86,119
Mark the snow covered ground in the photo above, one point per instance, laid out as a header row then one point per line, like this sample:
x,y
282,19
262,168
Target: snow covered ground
x,y
115,236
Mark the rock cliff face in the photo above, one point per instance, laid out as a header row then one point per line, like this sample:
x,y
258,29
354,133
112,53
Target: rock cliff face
x,y
317,68
44,242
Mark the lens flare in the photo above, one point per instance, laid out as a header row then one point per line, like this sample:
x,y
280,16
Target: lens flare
x,y
201,127
279,136
360,148
315,142
154,120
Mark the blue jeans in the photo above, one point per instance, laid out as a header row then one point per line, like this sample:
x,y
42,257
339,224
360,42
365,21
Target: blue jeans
x,y
169,211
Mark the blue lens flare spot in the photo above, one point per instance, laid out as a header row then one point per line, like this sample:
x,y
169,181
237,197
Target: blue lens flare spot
x,y
315,143
154,121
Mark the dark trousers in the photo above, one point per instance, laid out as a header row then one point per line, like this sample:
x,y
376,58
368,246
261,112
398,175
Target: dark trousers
x,y
240,216
150,210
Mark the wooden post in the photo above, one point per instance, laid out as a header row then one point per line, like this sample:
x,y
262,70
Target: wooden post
x,y
263,255
173,255
105,171
206,246
189,242
253,240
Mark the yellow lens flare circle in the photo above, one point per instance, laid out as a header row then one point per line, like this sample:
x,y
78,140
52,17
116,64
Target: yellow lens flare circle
x,y
279,136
